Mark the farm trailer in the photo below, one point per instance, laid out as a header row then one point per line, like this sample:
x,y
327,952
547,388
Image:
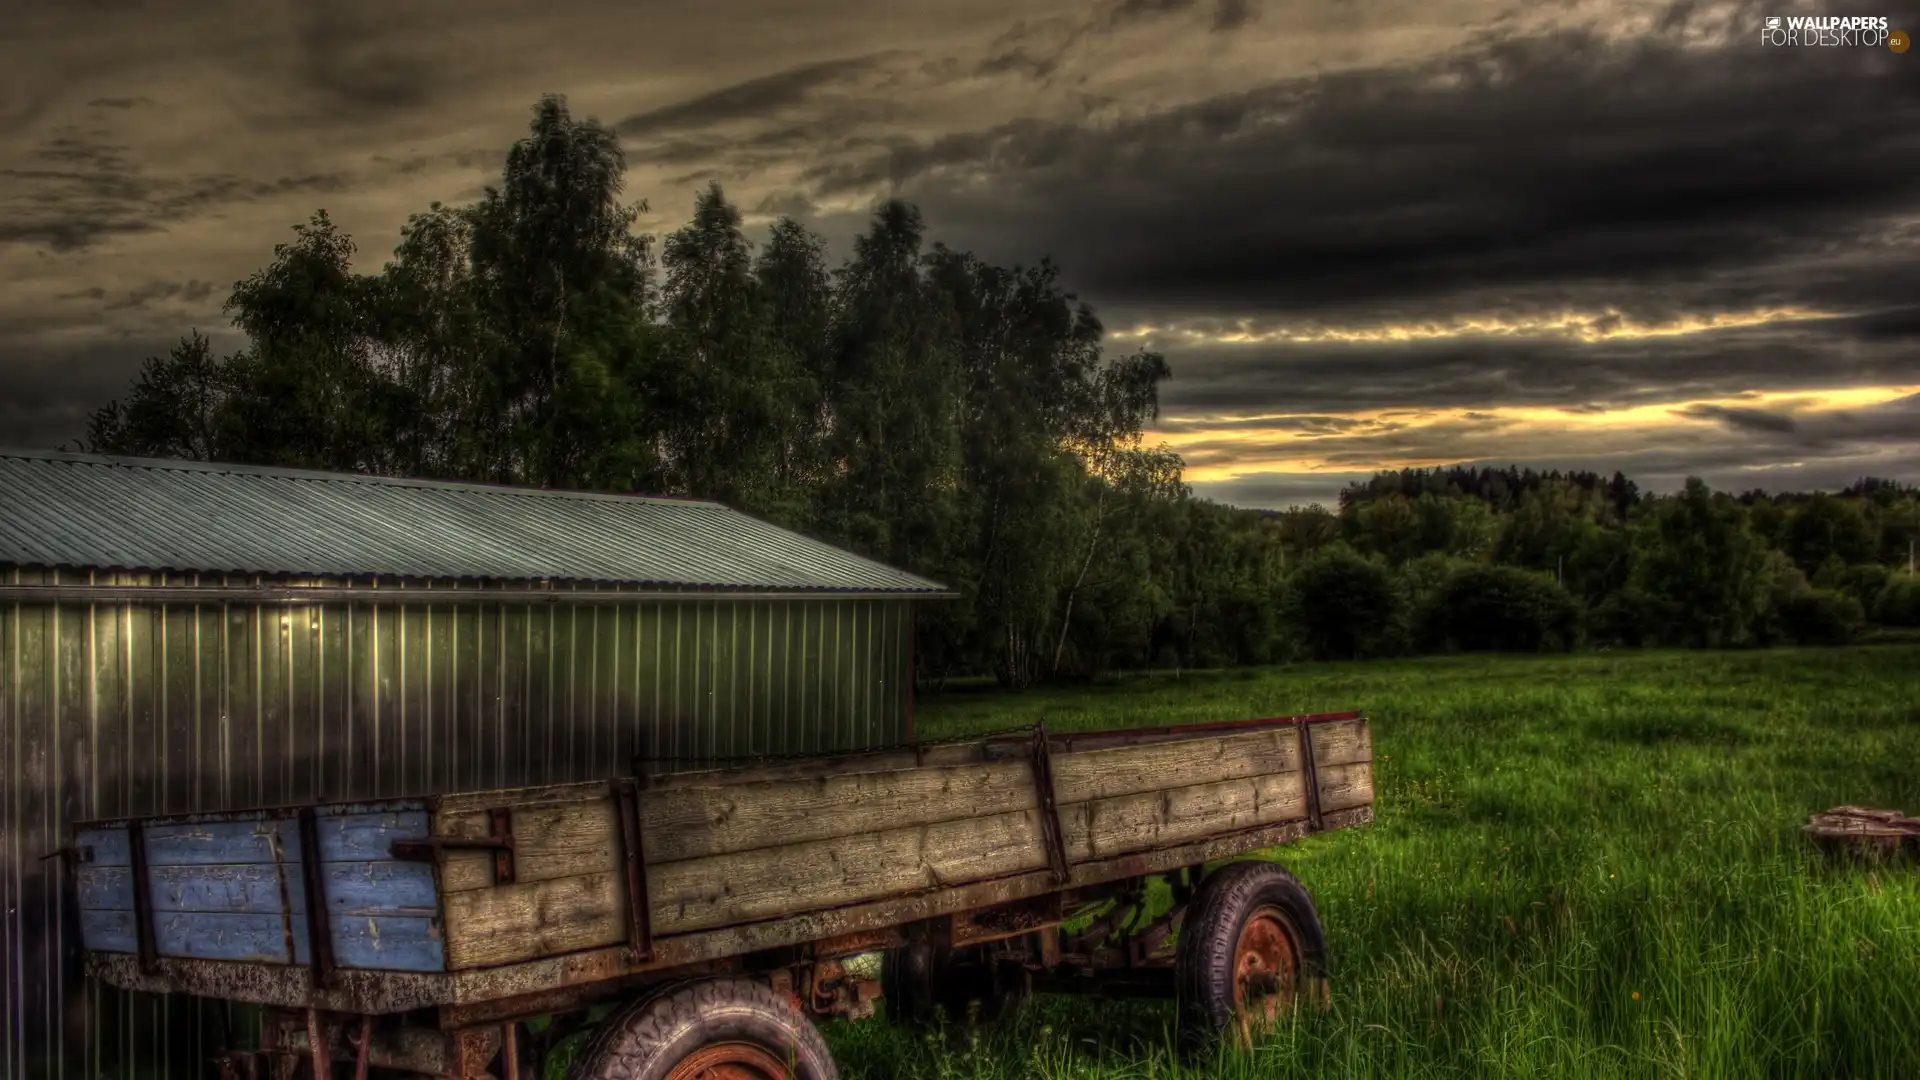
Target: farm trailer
x,y
704,918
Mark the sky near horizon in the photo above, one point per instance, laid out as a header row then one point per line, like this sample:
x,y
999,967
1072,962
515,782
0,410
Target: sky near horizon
x,y
1367,234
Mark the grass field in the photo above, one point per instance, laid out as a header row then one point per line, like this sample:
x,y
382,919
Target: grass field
x,y
1582,867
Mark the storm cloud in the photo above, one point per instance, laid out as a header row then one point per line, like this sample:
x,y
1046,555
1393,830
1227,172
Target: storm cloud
x,y
1515,174
1365,233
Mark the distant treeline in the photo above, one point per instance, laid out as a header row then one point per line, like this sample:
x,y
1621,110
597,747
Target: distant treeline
x,y
1502,488
1483,558
954,417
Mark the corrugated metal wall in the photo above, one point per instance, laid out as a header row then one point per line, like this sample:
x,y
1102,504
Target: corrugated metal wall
x,y
125,709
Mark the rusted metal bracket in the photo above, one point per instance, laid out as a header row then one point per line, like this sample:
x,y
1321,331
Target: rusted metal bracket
x,y
71,854
363,1047
143,931
500,827
314,880
1311,775
1050,833
319,1053
626,798
510,1049
499,840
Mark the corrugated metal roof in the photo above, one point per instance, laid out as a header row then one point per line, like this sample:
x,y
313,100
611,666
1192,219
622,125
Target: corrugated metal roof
x,y
81,510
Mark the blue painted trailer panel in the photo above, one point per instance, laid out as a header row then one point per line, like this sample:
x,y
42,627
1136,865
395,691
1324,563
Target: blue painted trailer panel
x,y
205,935
232,888
253,890
368,837
223,843
381,888
105,847
388,943
104,888
108,931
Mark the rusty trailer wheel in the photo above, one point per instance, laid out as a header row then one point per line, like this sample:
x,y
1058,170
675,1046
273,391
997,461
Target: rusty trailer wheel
x,y
1266,970
730,1061
1251,948
707,1029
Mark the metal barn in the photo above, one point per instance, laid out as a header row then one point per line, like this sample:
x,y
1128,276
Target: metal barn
x,y
181,636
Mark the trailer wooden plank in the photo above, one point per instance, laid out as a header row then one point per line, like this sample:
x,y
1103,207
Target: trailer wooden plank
x,y
211,935
1087,775
575,825
696,822
522,921
364,838
770,882
384,943
108,930
104,888
1342,742
248,889
377,888
1153,819
223,843
1343,787
464,870
388,943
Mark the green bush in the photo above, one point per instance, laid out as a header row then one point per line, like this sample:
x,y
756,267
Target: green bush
x,y
1786,583
1863,582
1899,601
1419,583
1822,617
1502,609
1341,606
1628,617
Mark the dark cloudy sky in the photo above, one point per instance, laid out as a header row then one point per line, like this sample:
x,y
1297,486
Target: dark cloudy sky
x,y
1367,233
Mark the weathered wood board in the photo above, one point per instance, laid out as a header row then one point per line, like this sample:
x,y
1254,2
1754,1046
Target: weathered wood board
x,y
742,850
720,849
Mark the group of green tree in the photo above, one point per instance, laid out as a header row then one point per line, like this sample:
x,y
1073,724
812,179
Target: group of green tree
x,y
1512,559
954,417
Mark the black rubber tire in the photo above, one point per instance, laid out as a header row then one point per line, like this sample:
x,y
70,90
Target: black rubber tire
x,y
908,978
651,1035
1210,934
920,984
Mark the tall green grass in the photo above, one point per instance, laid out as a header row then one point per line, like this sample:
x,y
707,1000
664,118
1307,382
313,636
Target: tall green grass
x,y
1581,867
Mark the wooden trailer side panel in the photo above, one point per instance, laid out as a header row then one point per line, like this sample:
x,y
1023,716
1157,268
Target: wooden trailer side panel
x,y
741,852
232,887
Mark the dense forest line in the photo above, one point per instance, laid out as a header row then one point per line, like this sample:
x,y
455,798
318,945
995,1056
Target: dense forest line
x,y
957,418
